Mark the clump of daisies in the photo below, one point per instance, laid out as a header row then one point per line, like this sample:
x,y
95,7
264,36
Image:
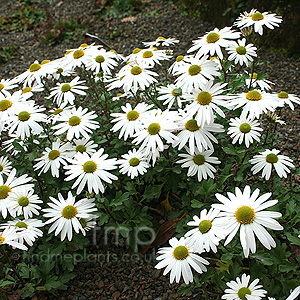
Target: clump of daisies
x,y
122,140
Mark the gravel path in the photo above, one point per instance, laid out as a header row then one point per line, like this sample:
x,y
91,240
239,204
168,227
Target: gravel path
x,y
134,276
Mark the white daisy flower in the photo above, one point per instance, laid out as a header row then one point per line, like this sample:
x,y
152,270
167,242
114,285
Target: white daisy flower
x,y
199,70
254,103
101,60
286,98
268,159
133,77
213,42
245,212
170,94
76,122
83,145
5,85
8,105
5,166
273,118
29,90
241,289
23,201
194,136
53,157
27,230
91,170
263,84
9,236
34,74
258,20
206,99
178,64
199,163
64,93
240,52
134,163
24,120
178,259
87,224
161,41
130,121
244,129
57,69
8,186
157,124
56,113
66,214
151,56
207,235
75,58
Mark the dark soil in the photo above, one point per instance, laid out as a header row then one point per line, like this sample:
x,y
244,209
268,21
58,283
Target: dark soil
x,y
133,276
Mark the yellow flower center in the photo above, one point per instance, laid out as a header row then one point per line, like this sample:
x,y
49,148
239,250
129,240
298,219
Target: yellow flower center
x,y
80,148
154,128
192,125
257,16
136,50
78,53
254,75
69,212
136,70
161,38
34,67
147,54
89,167
65,88
212,37
74,121
1,86
134,162
177,92
5,104
283,95
181,253
26,90
253,96
241,50
204,98
53,154
23,201
245,128
4,191
2,239
100,59
243,292
84,45
132,115
58,111
272,158
245,214
113,51
1,168
199,159
179,58
194,70
24,116
205,226
59,70
21,225
45,61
